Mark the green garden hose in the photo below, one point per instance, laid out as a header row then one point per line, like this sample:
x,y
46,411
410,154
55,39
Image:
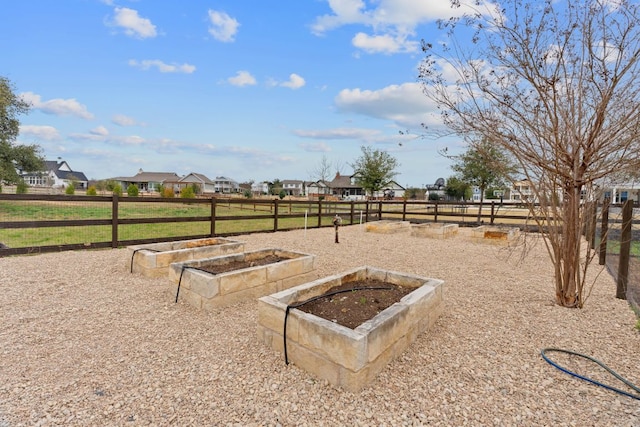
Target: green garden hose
x,y
611,371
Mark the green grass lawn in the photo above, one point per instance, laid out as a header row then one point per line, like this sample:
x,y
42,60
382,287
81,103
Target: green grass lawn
x,y
12,211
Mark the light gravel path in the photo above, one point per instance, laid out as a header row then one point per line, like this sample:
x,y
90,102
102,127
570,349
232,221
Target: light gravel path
x,y
84,342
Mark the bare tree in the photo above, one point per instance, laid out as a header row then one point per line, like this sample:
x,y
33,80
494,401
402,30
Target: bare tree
x,y
557,85
322,171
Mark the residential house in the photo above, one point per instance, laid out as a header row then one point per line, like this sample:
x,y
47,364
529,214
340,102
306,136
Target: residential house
x,y
318,189
345,187
204,184
621,192
56,174
294,187
259,188
391,191
226,185
147,181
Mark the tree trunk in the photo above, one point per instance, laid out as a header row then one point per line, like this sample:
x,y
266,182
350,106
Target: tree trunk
x,y
568,277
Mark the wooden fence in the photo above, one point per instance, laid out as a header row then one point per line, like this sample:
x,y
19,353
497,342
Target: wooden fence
x,y
33,223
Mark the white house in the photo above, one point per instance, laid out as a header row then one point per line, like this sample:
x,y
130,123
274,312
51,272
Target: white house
x,y
294,187
259,188
56,175
226,185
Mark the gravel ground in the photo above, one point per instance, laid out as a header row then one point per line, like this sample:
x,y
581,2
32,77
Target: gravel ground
x,y
84,342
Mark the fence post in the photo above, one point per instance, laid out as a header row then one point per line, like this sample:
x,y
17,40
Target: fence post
x,y
379,211
366,210
604,228
275,214
114,221
352,203
594,224
319,213
213,216
625,250
435,211
493,211
404,210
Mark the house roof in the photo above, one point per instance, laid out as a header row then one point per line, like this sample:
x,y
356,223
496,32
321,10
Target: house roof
x,y
70,175
149,177
343,181
202,178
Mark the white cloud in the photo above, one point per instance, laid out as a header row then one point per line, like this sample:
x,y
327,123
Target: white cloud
x,y
100,131
48,133
58,106
393,22
242,78
162,66
122,120
223,27
384,43
339,133
294,82
404,104
315,147
133,24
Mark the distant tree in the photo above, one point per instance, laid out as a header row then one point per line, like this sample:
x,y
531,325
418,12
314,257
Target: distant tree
x,y
323,170
374,169
101,186
483,165
457,189
188,192
13,156
275,187
116,189
555,84
22,187
133,190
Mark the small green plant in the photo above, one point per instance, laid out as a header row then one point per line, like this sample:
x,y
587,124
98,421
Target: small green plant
x,y
117,190
22,187
282,194
92,191
167,193
363,300
247,194
70,190
188,193
638,325
132,190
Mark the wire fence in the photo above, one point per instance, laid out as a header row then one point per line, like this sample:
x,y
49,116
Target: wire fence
x,y
618,241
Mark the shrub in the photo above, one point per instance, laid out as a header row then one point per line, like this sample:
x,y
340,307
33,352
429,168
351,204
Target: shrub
x,y
117,190
282,194
188,193
247,194
70,189
21,187
167,193
92,191
132,190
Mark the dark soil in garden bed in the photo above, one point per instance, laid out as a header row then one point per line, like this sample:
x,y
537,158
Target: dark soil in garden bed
x,y
239,265
354,307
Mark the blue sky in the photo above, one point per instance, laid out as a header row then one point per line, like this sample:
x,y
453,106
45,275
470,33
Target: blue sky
x,y
251,90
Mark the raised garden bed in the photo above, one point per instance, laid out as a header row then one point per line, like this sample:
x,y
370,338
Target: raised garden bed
x,y
224,280
153,260
434,230
346,357
387,226
498,235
